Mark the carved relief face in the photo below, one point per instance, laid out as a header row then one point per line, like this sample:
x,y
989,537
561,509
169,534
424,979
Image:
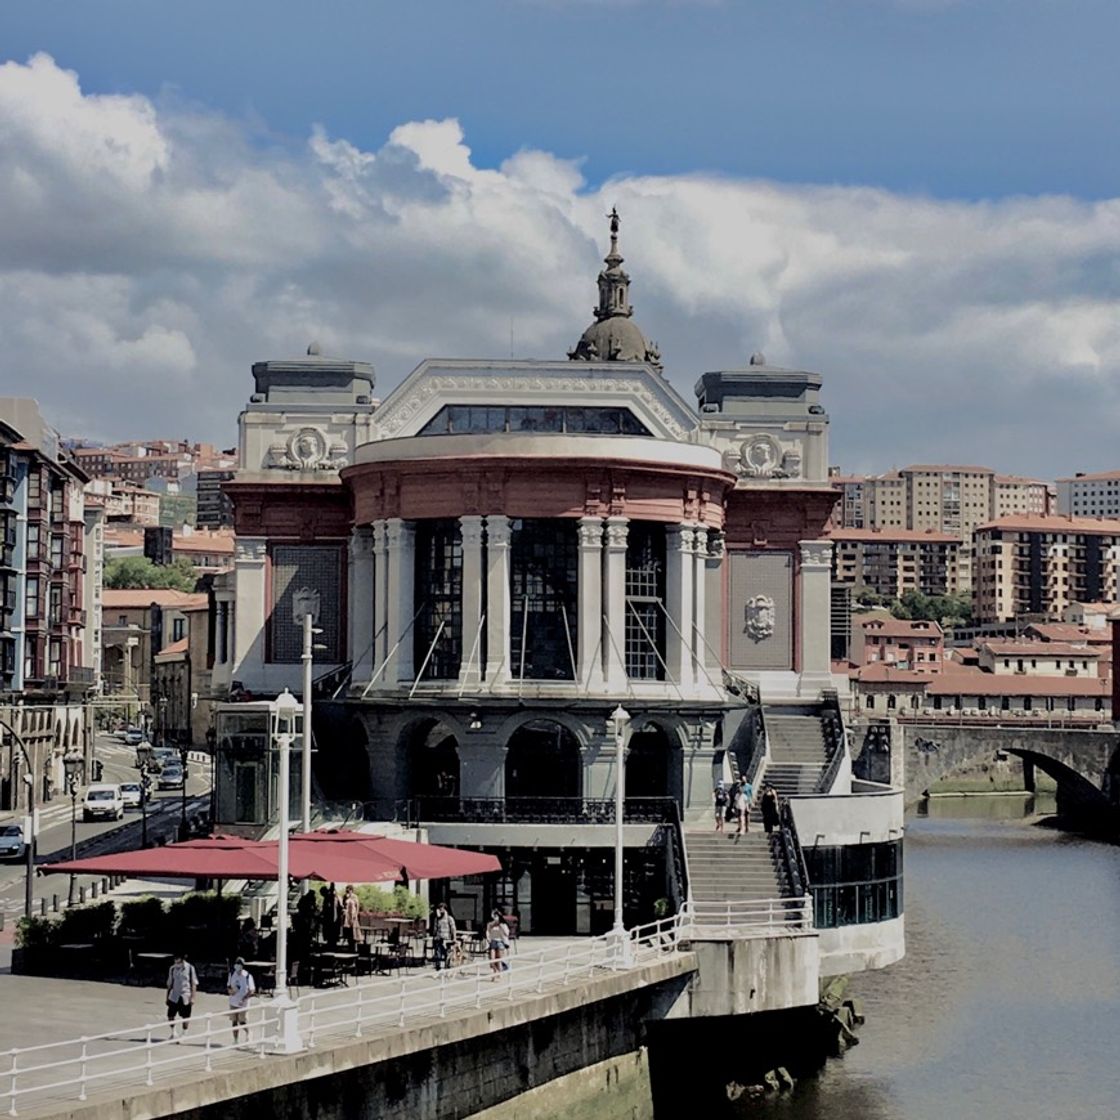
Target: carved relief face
x,y
305,600
759,618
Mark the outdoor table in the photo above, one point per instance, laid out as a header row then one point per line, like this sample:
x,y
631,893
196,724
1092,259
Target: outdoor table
x,y
336,960
265,973
78,946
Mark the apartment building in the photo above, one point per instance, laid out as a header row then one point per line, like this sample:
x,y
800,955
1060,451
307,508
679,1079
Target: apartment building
x,y
1089,495
1041,565
892,561
214,509
903,643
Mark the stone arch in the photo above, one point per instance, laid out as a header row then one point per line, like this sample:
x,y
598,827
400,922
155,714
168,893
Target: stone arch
x,y
654,761
543,760
346,773
1077,796
430,747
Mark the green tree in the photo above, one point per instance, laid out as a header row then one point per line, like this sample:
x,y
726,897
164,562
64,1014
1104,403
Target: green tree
x,y
139,571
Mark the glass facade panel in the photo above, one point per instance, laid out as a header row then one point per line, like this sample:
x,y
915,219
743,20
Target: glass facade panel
x,y
439,598
645,594
856,883
313,572
459,419
543,585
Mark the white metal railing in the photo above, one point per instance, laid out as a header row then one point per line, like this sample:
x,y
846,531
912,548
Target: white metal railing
x,y
745,918
134,1057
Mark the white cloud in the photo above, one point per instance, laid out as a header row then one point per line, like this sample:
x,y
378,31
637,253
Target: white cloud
x,y
149,253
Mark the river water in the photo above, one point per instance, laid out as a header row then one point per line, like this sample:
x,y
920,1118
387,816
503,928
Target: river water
x,y
1007,1004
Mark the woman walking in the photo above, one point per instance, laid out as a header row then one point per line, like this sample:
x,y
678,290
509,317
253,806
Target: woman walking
x,y
770,813
497,937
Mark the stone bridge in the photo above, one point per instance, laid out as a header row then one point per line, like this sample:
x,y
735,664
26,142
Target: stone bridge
x,y
1085,763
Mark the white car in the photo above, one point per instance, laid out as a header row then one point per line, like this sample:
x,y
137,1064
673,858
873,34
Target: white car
x,y
130,794
103,800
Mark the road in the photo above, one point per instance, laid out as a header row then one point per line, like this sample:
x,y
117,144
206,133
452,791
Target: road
x,y
99,837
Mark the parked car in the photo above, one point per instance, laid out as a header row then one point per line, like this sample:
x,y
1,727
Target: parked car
x,y
130,794
171,776
11,841
103,801
133,736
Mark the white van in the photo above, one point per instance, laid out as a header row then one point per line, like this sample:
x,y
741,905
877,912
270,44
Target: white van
x,y
103,800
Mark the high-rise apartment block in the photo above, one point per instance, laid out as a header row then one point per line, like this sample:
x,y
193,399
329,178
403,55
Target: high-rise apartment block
x,y
938,498
892,561
1039,565
1089,495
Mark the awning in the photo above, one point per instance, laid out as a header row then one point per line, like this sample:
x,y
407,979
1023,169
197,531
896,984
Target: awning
x,y
335,857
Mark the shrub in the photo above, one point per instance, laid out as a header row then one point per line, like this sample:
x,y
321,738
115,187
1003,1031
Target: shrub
x,y
37,933
143,918
88,923
205,924
399,900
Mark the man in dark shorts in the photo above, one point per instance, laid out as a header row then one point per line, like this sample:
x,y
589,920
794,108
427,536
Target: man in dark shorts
x,y
182,986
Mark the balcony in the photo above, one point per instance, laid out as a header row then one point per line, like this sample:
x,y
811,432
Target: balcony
x,y
75,616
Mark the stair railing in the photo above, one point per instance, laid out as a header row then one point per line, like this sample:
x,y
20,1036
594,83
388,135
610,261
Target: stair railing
x,y
792,855
678,861
832,724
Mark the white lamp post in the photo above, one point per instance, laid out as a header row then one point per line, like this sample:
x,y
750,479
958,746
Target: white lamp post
x,y
620,721
287,1040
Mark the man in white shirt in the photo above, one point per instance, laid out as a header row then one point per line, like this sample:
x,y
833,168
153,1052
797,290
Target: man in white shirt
x,y
241,989
182,986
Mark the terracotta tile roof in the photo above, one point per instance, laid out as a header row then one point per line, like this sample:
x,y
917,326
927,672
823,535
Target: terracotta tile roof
x,y
880,673
978,683
902,628
944,468
139,598
1067,632
172,651
1052,523
886,536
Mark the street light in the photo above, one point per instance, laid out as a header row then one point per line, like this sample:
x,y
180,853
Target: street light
x,y
145,787
288,1040
29,839
620,721
73,763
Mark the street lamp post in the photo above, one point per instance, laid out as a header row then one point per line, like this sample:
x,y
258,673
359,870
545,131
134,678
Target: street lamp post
x,y
288,1040
620,721
184,828
29,839
73,765
145,786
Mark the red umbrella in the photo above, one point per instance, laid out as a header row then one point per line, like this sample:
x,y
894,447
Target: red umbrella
x,y
348,857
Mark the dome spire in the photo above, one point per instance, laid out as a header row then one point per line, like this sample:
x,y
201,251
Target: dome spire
x,y
612,337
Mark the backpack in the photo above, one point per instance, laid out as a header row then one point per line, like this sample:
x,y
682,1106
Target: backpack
x,y
721,796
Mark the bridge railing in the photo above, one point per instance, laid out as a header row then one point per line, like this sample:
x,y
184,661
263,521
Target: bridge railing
x,y
719,919
135,1057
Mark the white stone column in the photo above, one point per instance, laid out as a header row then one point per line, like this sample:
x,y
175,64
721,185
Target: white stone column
x,y
814,621
250,586
680,562
614,603
360,595
497,599
470,666
400,561
699,605
589,655
380,597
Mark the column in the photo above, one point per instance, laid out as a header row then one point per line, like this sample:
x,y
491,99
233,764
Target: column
x,y
360,596
470,666
699,606
380,597
497,599
815,616
614,603
400,598
680,562
250,557
589,655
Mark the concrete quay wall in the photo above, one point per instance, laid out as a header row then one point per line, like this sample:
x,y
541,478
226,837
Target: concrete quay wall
x,y
439,1070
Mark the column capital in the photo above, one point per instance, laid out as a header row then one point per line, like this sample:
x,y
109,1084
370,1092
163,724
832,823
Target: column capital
x,y
700,540
590,532
361,537
397,532
250,549
470,529
618,528
816,554
378,528
498,531
680,537
717,544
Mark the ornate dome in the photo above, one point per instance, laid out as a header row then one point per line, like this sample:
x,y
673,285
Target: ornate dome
x,y
614,336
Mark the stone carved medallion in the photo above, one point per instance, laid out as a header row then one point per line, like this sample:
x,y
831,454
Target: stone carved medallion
x,y
305,601
307,449
759,618
762,456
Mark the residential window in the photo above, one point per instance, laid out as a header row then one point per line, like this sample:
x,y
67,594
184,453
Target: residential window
x,y
645,596
56,606
178,629
32,599
56,550
32,541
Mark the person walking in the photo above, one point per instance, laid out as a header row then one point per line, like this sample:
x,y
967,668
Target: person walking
x,y
497,937
241,988
443,935
182,987
770,808
351,909
745,810
330,915
719,801
733,796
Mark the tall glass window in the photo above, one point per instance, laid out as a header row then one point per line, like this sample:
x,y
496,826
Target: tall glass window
x,y
855,884
461,419
543,588
439,598
645,596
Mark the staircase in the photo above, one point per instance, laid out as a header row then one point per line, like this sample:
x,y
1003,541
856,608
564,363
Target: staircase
x,y
726,868
799,747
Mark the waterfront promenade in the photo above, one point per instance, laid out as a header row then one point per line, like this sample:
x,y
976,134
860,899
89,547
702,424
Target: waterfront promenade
x,y
126,1066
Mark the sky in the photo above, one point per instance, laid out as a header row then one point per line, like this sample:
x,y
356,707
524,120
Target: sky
x,y
917,199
